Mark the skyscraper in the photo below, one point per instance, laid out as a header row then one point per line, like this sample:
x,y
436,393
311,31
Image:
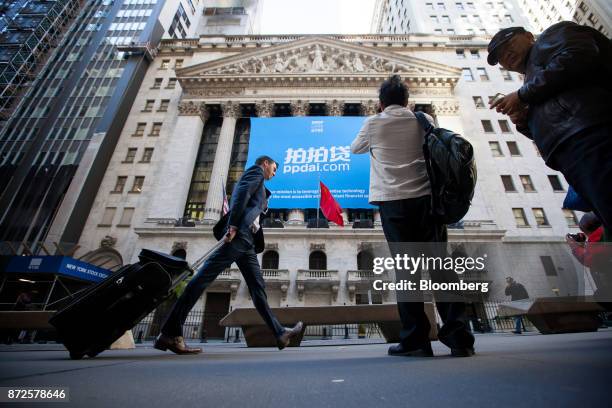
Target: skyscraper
x,y
57,143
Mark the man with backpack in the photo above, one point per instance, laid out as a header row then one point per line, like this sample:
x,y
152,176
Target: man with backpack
x,y
400,186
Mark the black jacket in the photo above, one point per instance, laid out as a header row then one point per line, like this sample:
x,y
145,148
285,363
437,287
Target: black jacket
x,y
516,291
247,202
568,84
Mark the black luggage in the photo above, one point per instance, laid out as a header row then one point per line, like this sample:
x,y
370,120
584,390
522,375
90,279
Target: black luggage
x,y
104,312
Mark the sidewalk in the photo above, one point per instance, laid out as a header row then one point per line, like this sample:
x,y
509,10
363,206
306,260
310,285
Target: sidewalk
x,y
508,371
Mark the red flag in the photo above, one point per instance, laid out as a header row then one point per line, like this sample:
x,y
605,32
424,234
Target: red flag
x,y
330,207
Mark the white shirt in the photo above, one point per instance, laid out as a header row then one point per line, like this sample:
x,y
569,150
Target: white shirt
x,y
394,140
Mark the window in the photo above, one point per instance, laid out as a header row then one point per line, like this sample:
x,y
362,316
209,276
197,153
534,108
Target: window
x,y
482,73
475,54
269,260
163,106
478,102
148,105
583,7
527,184
467,74
441,6
438,31
146,155
513,148
570,217
121,180
460,54
446,19
471,6
126,217
459,6
450,31
464,18
157,83
171,83
429,6
107,217
131,153
541,220
140,128
477,18
555,182
137,186
549,266
317,261
504,126
178,64
155,129
508,18
487,126
519,217
496,149
508,183
506,74
165,64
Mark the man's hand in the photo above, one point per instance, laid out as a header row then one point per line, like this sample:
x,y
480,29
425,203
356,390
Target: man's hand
x,y
519,118
231,233
509,104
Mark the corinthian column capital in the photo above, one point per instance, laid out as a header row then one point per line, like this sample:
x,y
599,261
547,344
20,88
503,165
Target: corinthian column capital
x,y
264,109
231,109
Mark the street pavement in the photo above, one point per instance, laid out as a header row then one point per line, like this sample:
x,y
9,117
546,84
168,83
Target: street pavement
x,y
531,370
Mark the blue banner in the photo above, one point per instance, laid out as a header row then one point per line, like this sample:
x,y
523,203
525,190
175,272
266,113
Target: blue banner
x,y
309,149
58,265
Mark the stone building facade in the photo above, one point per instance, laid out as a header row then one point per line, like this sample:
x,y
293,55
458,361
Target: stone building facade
x,y
185,140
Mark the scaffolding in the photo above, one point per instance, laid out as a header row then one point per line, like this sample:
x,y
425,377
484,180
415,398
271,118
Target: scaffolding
x,y
25,40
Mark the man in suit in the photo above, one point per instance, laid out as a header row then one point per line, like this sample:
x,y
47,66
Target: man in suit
x,y
243,240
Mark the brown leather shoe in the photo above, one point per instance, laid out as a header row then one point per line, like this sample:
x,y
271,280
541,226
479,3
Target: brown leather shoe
x,y
175,344
285,338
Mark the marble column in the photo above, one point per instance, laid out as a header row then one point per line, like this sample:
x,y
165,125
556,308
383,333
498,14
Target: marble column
x,y
335,108
172,187
296,215
223,155
369,107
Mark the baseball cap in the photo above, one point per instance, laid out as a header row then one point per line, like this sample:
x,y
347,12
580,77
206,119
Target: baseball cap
x,y
499,39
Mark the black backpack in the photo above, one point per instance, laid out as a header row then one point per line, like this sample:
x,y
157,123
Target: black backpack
x,y
451,169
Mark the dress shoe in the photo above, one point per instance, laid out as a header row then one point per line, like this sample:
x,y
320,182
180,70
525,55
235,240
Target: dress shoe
x,y
517,332
285,338
174,344
422,351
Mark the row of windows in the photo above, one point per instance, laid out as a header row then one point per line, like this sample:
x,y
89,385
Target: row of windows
x,y
460,6
122,181
131,155
497,151
479,101
540,217
134,13
504,126
127,26
142,126
157,83
109,216
467,74
527,183
165,64
150,103
475,18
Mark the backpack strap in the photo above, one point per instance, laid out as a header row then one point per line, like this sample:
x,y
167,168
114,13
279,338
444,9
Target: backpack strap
x,y
425,124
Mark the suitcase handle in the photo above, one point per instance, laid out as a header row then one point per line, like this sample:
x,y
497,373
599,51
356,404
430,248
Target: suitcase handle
x,y
203,258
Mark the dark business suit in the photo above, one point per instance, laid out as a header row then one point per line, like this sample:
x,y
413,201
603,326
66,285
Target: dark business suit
x,y
247,203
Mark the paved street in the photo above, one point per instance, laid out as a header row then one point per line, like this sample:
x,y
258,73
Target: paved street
x,y
508,371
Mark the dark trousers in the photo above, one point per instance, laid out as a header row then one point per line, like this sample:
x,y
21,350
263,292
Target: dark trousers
x,y
585,160
409,220
241,252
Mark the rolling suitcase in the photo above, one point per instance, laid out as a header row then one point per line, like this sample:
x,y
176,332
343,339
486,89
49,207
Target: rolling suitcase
x,y
100,315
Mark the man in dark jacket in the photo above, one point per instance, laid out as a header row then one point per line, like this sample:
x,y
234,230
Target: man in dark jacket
x,y
516,291
564,105
243,239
